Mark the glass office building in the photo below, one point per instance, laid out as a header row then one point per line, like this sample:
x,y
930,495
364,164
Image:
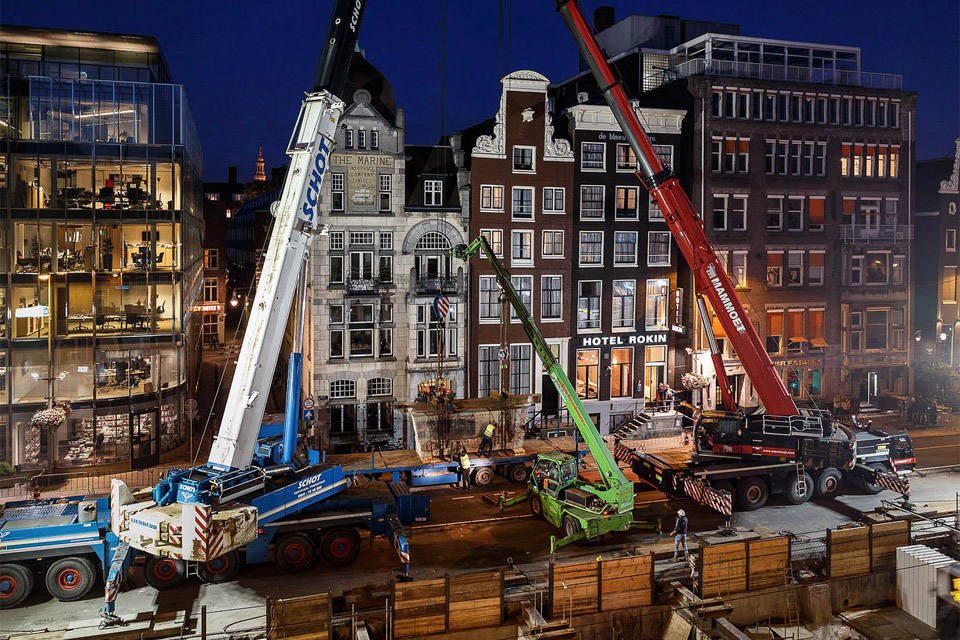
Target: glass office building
x,y
100,248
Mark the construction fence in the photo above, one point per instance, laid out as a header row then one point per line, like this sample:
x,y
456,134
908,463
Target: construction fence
x,y
602,585
451,603
858,550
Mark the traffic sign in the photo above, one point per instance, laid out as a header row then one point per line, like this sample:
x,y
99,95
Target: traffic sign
x,y
308,403
308,414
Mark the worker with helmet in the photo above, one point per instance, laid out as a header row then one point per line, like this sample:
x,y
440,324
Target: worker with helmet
x,y
679,534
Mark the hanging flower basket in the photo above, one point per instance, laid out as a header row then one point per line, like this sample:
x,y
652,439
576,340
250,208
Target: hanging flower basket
x,y
50,419
694,381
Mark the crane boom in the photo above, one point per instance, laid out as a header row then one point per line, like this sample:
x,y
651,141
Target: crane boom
x,y
685,224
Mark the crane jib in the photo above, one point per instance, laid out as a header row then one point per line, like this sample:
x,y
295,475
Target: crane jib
x,y
312,192
724,296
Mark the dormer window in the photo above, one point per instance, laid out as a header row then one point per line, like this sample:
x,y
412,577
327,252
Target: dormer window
x,y
348,138
432,193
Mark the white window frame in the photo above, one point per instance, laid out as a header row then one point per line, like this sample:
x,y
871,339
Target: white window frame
x,y
533,159
636,249
603,201
432,193
492,190
580,250
490,319
553,192
386,241
337,183
623,168
633,317
599,326
810,279
951,239
543,299
650,262
636,200
385,188
543,243
648,319
514,280
521,262
603,156
490,234
533,204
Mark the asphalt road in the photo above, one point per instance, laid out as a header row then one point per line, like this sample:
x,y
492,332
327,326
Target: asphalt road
x,y
437,550
936,450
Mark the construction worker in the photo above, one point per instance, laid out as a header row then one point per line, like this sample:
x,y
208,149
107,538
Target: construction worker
x,y
486,441
679,534
465,469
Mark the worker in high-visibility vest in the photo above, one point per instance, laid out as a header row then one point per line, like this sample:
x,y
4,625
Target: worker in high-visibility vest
x,y
486,441
465,469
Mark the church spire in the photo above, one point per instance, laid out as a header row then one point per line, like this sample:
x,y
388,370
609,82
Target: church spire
x,y
260,174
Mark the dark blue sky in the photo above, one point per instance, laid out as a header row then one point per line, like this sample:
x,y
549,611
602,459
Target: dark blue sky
x,y
245,64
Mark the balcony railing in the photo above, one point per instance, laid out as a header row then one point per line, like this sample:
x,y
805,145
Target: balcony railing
x,y
442,284
881,232
364,285
760,71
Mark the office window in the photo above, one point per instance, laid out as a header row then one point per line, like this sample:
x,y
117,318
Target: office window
x,y
488,379
658,248
625,248
815,329
716,154
336,270
738,269
657,299
770,157
361,265
361,138
336,191
591,247
551,297
730,211
794,268
524,288
796,150
210,290
523,159
588,304
626,158
795,332
627,202
591,155
385,271
591,202
489,298
588,373
491,197
743,155
876,267
876,329
951,239
375,139
816,211
385,344
552,244
336,344
897,268
522,203
494,239
795,213
624,303
361,237
774,213
820,159
553,199
432,193
774,331
348,138
783,154
808,153
716,103
340,389
815,268
856,270
894,162
211,258
521,364
385,183
336,240
621,373
521,247
386,241
380,387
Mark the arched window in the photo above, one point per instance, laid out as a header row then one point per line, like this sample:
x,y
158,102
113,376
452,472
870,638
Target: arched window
x,y
343,389
433,241
379,387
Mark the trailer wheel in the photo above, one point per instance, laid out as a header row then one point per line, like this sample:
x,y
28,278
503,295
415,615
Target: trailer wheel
x,y
221,569
340,546
482,477
16,583
70,579
794,494
536,506
869,486
518,473
829,483
571,526
294,552
752,493
164,573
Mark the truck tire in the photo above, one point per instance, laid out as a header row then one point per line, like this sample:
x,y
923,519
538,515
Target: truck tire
x,y
294,552
571,526
70,579
867,485
340,546
16,583
794,494
752,493
518,473
724,485
536,506
221,569
482,476
829,483
164,573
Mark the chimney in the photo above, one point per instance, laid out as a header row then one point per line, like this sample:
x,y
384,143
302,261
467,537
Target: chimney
x,y
232,175
603,18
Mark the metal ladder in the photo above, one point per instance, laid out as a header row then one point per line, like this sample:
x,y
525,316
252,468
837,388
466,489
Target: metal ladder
x,y
793,619
801,479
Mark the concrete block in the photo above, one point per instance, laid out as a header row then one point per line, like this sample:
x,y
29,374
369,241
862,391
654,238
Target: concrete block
x,y
817,605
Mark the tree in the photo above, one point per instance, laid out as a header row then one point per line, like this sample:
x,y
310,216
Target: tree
x,y
932,379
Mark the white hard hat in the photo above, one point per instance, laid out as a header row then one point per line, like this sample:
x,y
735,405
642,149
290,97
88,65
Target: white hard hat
x,y
681,513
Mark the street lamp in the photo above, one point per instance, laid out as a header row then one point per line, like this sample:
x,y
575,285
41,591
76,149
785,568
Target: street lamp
x,y
234,301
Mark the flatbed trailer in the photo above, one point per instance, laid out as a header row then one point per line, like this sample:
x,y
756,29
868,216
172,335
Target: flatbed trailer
x,y
407,466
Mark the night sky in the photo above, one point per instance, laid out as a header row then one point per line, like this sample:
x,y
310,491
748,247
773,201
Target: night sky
x,y
245,64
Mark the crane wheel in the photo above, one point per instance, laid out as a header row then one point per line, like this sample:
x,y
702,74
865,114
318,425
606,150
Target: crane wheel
x,y
16,583
164,573
829,483
752,493
70,579
340,546
870,487
518,473
536,506
571,526
294,553
797,494
221,569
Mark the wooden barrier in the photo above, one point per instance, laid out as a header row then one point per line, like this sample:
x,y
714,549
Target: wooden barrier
x,y
606,585
451,603
857,551
306,618
746,565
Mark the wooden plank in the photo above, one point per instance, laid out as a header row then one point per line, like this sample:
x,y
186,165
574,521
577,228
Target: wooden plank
x,y
575,589
419,608
885,538
848,551
474,585
768,562
626,583
305,618
723,569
